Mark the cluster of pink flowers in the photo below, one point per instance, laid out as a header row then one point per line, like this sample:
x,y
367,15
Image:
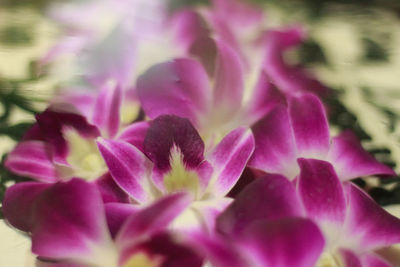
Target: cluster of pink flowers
x,y
156,189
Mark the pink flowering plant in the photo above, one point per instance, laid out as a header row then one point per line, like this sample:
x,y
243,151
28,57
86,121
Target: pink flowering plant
x,y
226,159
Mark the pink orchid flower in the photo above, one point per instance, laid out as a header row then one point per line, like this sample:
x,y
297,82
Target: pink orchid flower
x,y
174,160
68,226
301,130
354,227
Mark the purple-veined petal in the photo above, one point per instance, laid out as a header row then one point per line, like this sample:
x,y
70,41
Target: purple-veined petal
x,y
264,98
69,221
368,223
321,191
117,214
351,160
228,88
18,204
267,198
290,79
229,159
310,126
152,219
106,113
135,133
32,159
128,166
168,131
286,242
275,150
52,123
180,87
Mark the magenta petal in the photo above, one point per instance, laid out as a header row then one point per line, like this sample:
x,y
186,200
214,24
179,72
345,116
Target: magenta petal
x,y
240,12
18,204
69,220
229,159
179,87
275,150
285,243
168,131
127,166
370,224
110,190
321,191
152,219
310,126
117,214
31,159
349,258
351,160
268,198
52,123
217,250
135,133
189,26
264,98
228,89
106,114
289,78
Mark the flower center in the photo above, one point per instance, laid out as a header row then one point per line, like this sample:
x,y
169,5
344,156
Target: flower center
x,y
83,157
179,178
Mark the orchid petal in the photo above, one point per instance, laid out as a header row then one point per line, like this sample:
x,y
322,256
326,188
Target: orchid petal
x,y
64,228
52,123
349,258
179,87
31,159
321,191
117,214
310,126
19,202
352,161
135,133
239,12
109,189
106,114
264,98
103,61
167,131
274,144
127,165
229,159
290,79
368,223
268,198
152,219
189,26
286,243
210,210
228,88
